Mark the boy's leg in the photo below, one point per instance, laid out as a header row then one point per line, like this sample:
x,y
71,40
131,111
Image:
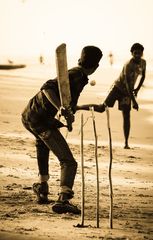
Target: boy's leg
x,y
42,152
97,107
57,144
41,188
126,126
114,94
125,107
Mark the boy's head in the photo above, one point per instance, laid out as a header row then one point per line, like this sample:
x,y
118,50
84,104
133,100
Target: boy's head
x,y
90,57
137,51
137,46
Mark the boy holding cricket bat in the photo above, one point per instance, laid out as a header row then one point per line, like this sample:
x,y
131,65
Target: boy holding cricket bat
x,y
39,118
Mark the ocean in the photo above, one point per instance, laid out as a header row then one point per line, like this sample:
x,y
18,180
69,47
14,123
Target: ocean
x,y
36,74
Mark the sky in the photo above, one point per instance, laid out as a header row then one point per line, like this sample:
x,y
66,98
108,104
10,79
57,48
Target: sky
x,y
33,27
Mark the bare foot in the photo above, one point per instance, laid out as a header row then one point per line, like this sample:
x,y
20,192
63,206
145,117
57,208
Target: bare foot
x,y
126,147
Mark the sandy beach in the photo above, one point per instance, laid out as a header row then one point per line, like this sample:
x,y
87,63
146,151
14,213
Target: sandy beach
x,y
22,218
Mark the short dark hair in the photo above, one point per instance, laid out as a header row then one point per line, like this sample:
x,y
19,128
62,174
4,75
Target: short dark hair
x,y
137,46
90,57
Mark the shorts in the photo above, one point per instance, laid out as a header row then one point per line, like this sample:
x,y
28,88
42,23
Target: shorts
x,y
115,94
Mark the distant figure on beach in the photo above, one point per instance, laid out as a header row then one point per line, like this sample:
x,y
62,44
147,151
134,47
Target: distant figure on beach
x,y
39,117
10,61
111,58
41,59
123,89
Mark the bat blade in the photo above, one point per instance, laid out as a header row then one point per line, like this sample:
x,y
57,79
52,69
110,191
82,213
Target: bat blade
x,y
62,75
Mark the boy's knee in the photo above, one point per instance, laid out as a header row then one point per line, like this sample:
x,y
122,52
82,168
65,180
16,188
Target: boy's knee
x,y
69,164
100,108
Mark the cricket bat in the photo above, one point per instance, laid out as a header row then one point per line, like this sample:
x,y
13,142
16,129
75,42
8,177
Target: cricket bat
x,y
64,84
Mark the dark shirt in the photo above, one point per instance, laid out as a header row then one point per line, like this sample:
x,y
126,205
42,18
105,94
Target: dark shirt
x,y
39,107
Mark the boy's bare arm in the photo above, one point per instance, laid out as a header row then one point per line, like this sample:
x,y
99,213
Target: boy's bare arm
x,y
140,84
131,94
130,91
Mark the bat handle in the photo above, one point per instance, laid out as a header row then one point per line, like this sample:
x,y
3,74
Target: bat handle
x,y
70,120
69,126
68,114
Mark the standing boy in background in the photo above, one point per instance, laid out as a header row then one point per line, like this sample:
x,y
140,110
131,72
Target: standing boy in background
x,y
39,118
123,89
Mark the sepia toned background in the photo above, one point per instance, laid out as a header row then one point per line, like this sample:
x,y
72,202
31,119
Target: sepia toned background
x,y
33,28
